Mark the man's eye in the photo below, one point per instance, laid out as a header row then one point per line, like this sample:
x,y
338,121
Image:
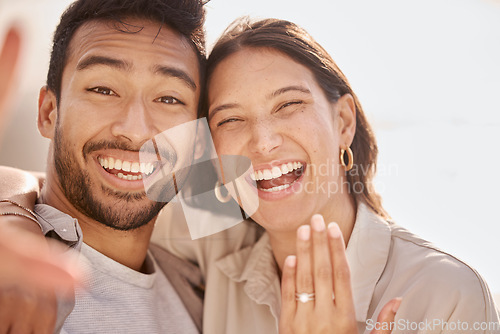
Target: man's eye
x,y
102,90
168,100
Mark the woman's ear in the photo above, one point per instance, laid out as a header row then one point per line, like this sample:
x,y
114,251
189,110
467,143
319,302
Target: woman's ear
x,y
346,109
47,112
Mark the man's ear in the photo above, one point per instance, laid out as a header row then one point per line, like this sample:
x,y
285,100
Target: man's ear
x,y
346,109
47,112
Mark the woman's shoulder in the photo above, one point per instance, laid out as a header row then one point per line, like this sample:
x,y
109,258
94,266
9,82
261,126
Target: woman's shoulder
x,y
435,278
415,253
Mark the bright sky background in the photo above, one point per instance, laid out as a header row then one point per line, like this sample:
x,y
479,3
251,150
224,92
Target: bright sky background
x,y
428,75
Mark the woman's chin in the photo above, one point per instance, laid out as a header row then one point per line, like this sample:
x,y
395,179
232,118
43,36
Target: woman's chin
x,y
276,218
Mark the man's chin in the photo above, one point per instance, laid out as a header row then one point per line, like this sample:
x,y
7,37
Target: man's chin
x,y
124,211
128,215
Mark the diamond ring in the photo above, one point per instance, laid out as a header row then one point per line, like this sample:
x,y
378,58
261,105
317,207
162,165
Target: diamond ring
x,y
304,297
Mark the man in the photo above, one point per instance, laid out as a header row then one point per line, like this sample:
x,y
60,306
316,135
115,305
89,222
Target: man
x,y
121,71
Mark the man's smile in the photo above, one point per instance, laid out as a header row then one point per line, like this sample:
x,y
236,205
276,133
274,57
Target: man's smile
x,y
126,170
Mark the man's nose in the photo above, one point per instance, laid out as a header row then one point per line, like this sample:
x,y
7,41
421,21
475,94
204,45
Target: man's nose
x,y
135,124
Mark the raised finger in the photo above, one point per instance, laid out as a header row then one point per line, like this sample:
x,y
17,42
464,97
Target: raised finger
x,y
341,273
323,283
304,277
385,319
288,302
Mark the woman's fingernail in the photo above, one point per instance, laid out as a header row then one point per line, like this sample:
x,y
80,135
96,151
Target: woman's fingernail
x,y
318,223
334,230
396,305
304,232
291,261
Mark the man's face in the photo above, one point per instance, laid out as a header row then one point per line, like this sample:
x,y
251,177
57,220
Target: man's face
x,y
118,91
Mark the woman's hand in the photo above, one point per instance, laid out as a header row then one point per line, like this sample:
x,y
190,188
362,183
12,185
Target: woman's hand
x,y
310,280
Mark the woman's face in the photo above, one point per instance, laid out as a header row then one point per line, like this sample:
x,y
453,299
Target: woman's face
x,y
269,108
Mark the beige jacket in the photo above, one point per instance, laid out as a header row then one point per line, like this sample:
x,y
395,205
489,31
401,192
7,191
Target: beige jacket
x,y
441,294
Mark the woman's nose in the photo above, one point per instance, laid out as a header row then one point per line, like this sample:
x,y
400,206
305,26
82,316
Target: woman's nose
x,y
266,137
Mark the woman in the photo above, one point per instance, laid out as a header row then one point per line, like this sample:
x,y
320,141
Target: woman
x,y
276,97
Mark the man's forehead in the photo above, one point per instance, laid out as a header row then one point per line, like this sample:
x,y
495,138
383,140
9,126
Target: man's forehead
x,y
133,35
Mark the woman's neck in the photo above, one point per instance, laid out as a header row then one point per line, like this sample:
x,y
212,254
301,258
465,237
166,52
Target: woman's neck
x,y
343,212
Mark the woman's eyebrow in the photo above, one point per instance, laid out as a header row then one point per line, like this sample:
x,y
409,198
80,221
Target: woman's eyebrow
x,y
289,88
272,95
220,108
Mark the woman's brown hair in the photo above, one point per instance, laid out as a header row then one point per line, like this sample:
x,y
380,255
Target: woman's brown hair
x,y
293,41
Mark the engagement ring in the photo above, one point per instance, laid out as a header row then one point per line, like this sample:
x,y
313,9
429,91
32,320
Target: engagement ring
x,y
304,297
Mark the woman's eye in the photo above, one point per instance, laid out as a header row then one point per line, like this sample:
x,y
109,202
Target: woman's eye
x,y
168,100
228,120
102,90
287,104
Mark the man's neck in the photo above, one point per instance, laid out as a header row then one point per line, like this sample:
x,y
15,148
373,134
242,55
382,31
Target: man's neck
x,y
128,248
125,247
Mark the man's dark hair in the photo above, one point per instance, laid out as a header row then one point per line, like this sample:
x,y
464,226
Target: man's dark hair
x,y
185,16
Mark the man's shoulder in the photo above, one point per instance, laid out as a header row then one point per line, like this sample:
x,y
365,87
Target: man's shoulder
x,y
60,226
169,262
185,277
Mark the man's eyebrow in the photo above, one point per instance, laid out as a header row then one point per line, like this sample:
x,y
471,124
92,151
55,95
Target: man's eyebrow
x,y
102,60
289,88
176,73
222,107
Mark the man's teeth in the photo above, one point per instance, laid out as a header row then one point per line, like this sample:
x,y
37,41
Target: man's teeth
x,y
129,177
127,166
275,172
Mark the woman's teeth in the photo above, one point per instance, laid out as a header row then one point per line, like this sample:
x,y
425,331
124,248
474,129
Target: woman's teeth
x,y
278,188
109,164
275,172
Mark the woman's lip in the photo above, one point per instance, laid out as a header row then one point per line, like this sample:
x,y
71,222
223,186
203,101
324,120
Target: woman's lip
x,y
276,163
280,194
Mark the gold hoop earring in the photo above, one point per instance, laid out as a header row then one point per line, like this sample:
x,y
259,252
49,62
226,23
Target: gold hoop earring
x,y
218,194
350,156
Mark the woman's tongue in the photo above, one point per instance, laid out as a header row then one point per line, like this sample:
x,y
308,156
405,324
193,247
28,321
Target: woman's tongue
x,y
279,181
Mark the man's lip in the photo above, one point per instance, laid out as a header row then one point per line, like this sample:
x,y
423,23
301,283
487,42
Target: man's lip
x,y
114,181
122,155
